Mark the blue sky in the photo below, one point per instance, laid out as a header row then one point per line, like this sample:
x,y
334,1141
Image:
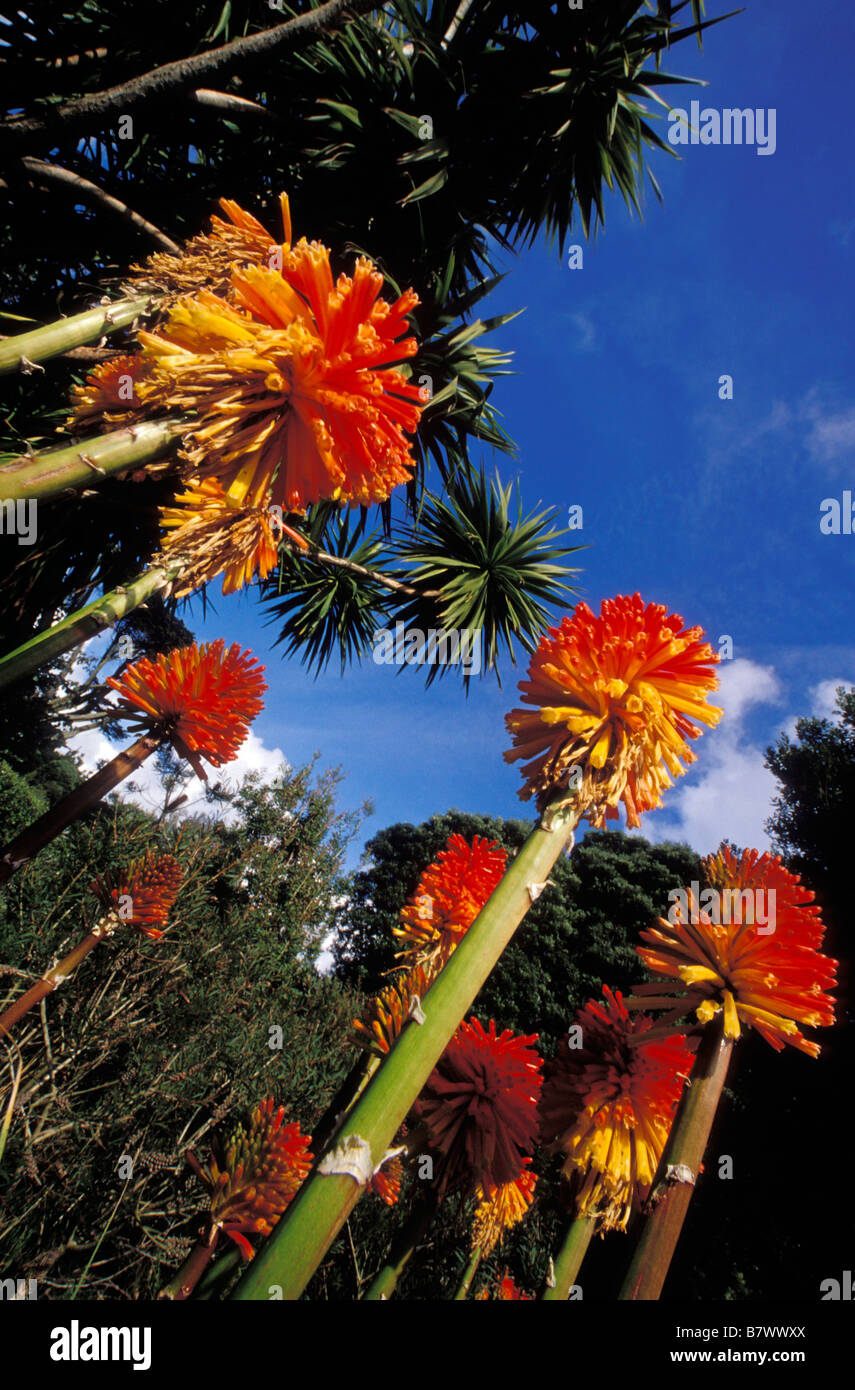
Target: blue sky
x,y
711,507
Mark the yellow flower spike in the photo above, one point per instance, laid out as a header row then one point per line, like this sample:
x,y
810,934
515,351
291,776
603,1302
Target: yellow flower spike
x,y
611,702
752,952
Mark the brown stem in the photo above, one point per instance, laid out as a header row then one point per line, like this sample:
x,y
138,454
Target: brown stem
x,y
24,846
89,192
230,104
54,977
339,562
98,108
182,1284
681,1163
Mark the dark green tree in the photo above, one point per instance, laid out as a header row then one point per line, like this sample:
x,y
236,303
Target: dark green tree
x,y
580,934
150,1045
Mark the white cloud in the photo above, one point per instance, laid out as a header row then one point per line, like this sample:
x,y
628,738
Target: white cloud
x,y
588,339
824,698
832,434
727,794
146,789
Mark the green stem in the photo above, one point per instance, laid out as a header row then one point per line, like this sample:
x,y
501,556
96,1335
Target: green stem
x,y
672,1192
85,623
468,1275
64,334
300,1240
217,1274
52,471
345,1097
182,1284
402,1248
55,976
569,1259
24,846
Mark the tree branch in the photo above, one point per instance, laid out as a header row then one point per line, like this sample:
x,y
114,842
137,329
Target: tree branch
x,y
70,117
321,557
90,193
230,104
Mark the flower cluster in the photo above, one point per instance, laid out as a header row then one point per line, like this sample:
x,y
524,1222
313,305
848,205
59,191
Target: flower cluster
x,y
449,896
202,699
255,1174
608,1105
503,1208
288,380
143,893
767,974
479,1107
615,697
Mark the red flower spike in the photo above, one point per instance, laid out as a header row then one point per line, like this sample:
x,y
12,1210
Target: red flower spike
x,y
142,894
255,1174
202,699
479,1106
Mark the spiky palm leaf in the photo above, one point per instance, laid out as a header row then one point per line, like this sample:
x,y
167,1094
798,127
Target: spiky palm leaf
x,y
323,608
498,571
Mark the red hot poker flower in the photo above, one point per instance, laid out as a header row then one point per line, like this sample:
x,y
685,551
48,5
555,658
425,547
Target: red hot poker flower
x,y
608,1105
202,699
450,894
479,1107
753,955
142,894
615,697
255,1174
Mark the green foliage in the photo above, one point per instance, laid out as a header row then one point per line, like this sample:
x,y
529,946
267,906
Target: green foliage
x,y
424,134
496,572
580,934
468,564
813,813
152,1044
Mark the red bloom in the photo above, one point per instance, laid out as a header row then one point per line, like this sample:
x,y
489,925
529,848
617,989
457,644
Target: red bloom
x,y
201,698
143,893
255,1174
387,1180
450,894
480,1107
506,1291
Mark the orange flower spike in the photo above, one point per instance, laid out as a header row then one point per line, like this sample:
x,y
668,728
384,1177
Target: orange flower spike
x,y
213,534
615,698
111,391
144,893
448,898
386,1182
255,1174
505,1207
389,1011
290,385
207,260
752,952
202,699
